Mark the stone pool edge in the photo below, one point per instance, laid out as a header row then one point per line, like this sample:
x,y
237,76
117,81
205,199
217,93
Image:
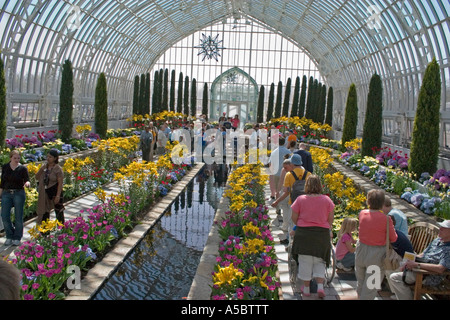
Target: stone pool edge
x,y
103,270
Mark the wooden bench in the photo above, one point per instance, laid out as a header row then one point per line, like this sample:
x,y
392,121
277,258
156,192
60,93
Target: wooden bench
x,y
421,234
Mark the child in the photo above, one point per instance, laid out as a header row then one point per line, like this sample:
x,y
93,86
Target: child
x,y
345,251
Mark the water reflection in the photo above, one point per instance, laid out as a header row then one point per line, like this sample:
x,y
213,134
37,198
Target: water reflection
x,y
162,266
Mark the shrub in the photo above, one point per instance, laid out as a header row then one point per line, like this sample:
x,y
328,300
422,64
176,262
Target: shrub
x,y
101,107
373,127
351,116
425,136
65,118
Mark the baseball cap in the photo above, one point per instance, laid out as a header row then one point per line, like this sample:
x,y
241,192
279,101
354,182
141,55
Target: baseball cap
x,y
445,224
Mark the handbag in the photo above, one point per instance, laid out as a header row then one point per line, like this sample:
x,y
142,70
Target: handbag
x,y
392,259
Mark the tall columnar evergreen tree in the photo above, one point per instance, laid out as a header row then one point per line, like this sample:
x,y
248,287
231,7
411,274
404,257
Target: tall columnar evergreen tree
x,y
302,102
322,100
146,109
287,98
351,116
260,112
270,102
309,99
373,122
205,100
295,99
172,92
315,101
180,93
186,96
2,105
279,100
160,89
101,106
155,104
329,116
165,91
425,135
65,116
136,95
142,84
193,97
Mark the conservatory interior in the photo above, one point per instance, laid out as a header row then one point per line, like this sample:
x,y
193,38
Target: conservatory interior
x,y
109,87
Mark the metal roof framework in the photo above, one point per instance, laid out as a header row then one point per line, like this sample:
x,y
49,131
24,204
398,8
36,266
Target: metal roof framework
x,y
348,39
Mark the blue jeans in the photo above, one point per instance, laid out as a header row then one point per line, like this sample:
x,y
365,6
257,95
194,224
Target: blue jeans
x,y
16,199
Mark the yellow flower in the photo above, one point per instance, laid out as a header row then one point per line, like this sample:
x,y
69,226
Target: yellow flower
x,y
227,275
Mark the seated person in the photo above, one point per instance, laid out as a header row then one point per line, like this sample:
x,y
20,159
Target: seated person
x,y
436,259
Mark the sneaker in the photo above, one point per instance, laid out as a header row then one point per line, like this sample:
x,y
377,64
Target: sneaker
x,y
321,293
8,242
305,294
16,242
339,265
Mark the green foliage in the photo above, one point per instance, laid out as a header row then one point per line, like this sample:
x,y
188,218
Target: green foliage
x,y
425,135
373,123
302,102
146,109
309,100
136,95
287,97
329,116
172,92
278,101
260,114
180,93
186,95
165,91
205,100
322,100
101,107
295,99
194,98
270,103
65,117
351,116
155,98
2,105
142,97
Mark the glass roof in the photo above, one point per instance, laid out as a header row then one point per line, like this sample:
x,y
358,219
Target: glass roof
x,y
348,39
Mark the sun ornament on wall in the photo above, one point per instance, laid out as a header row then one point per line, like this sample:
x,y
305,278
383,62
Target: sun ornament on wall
x,y
210,47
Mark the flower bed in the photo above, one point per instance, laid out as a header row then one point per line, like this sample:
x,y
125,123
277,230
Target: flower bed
x,y
430,194
247,265
47,261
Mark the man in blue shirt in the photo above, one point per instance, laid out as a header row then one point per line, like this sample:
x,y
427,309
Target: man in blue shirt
x,y
276,165
436,258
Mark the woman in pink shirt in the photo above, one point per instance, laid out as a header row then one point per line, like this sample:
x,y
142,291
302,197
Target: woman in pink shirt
x,y
313,214
371,247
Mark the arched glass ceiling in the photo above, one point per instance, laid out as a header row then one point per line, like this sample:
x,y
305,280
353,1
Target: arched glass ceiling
x,y
349,39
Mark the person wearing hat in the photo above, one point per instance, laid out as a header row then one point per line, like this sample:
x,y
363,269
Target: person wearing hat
x,y
435,258
289,179
50,178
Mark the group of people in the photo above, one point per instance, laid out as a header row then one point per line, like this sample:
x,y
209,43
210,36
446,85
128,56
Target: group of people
x,y
307,221
15,178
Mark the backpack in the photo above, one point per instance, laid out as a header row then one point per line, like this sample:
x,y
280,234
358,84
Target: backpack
x,y
298,188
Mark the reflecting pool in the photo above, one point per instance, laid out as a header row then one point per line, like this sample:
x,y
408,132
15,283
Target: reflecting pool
x,y
163,264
